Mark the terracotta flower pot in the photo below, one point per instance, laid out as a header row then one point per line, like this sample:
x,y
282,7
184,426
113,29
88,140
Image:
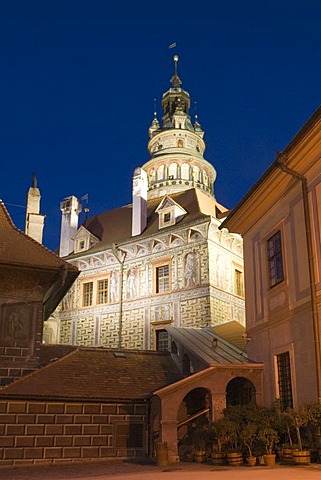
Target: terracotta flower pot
x,y
270,460
251,461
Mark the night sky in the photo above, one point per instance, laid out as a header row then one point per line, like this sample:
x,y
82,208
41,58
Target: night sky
x,y
78,81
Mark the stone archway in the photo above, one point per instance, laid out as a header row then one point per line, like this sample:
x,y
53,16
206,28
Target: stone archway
x,y
240,391
194,410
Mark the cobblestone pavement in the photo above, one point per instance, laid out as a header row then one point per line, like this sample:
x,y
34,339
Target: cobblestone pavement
x,y
135,471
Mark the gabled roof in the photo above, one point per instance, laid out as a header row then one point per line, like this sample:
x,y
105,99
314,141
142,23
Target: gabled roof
x,y
98,374
18,250
208,346
115,226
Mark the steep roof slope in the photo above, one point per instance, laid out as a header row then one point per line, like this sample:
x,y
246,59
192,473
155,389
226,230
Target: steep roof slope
x,y
98,374
115,226
18,250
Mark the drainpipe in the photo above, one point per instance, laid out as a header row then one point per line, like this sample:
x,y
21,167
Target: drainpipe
x,y
120,321
280,159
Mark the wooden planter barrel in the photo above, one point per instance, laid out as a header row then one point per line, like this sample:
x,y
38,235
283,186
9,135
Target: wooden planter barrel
x,y
218,458
301,457
234,459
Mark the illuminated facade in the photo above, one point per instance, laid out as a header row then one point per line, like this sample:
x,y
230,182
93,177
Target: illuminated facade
x,y
161,261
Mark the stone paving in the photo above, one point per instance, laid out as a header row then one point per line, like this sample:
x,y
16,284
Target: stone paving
x,y
135,471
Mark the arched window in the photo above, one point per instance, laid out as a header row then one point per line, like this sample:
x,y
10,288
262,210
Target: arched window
x,y
172,171
196,174
185,171
160,173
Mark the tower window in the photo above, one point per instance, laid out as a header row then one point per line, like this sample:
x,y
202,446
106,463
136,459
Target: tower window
x,y
87,297
275,259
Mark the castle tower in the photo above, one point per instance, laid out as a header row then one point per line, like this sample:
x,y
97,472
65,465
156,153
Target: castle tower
x,y
177,147
34,219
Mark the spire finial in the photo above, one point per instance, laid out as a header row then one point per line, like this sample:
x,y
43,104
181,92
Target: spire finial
x,y
34,180
175,80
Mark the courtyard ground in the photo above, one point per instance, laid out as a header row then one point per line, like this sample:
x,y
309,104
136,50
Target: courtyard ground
x,y
136,471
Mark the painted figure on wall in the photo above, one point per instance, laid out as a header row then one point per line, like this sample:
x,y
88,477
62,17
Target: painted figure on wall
x,y
131,284
191,270
113,287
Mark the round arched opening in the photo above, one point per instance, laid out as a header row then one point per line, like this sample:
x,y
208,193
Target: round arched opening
x,y
194,411
240,391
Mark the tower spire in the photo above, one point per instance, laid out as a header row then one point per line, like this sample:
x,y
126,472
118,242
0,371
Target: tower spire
x,y
175,80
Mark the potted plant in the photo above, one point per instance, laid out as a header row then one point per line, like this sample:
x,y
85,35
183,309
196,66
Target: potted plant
x,y
248,438
269,437
218,438
199,439
299,417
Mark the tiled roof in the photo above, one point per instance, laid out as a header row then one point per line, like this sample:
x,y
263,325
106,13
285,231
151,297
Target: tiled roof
x,y
199,341
17,248
98,374
115,226
233,332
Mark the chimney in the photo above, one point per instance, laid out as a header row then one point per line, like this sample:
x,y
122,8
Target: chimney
x,y
70,208
139,212
34,220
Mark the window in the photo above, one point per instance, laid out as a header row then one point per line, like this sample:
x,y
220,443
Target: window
x,y
167,217
95,292
162,279
81,244
284,380
161,340
102,291
238,282
87,296
275,259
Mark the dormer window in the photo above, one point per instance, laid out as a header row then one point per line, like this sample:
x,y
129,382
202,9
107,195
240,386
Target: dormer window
x,y
84,240
169,212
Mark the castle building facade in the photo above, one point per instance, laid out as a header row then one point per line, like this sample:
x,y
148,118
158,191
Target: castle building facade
x,y
161,261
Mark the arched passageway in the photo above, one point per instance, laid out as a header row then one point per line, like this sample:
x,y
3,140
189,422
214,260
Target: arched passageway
x,y
240,391
194,410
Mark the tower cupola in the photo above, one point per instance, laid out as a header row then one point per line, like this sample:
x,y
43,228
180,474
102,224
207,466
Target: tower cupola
x,y
176,147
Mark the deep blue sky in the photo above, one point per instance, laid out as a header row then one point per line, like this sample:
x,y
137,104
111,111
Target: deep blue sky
x,y
78,81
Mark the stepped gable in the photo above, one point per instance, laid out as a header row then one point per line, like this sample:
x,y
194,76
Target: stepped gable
x,y
98,374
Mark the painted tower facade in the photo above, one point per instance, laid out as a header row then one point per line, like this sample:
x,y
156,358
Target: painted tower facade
x,y
161,261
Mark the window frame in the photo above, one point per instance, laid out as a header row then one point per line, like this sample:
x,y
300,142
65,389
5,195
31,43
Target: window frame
x,y
95,291
238,286
275,259
284,382
164,262
87,297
